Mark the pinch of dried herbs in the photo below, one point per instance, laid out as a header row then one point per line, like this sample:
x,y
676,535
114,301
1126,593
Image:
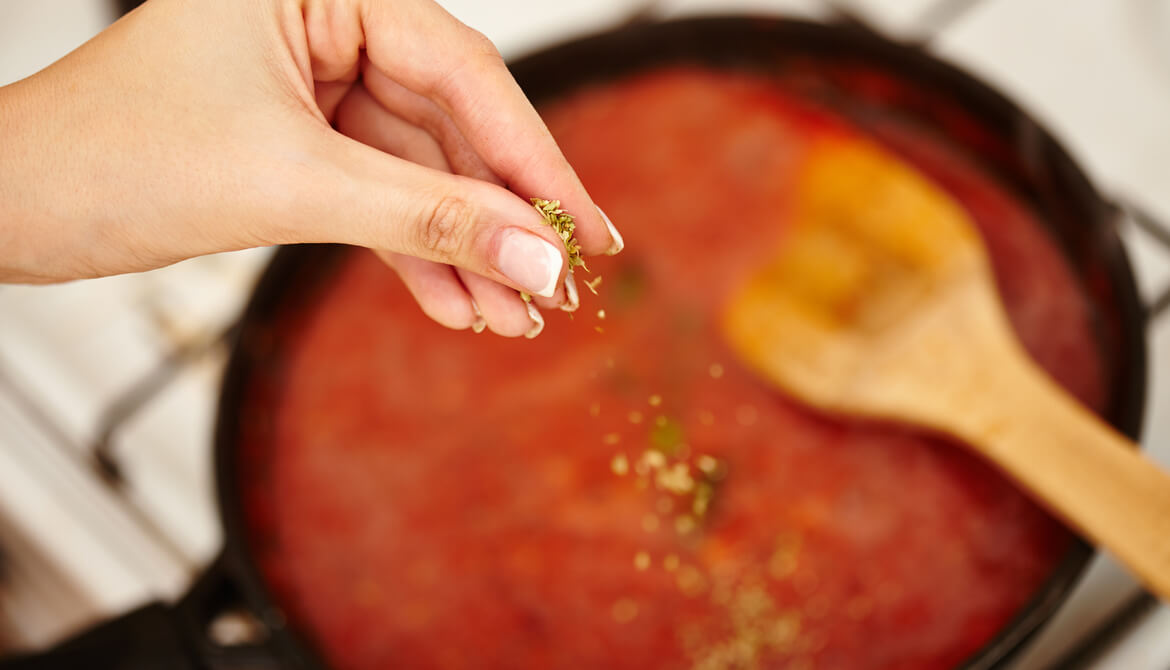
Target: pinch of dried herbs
x,y
562,222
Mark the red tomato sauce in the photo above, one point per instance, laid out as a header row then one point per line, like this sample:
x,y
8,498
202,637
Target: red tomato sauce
x,y
425,498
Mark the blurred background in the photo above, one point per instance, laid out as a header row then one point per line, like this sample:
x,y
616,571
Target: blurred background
x,y
107,387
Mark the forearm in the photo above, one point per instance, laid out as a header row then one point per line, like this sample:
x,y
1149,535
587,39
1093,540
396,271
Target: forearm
x,y
41,200
68,206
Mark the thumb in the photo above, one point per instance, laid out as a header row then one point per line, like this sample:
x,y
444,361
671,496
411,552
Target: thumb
x,y
372,199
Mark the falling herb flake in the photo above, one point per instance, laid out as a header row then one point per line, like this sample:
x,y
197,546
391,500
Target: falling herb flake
x,y
707,464
601,314
612,438
650,460
641,560
712,467
599,329
635,417
592,284
620,465
716,370
655,400
677,479
670,563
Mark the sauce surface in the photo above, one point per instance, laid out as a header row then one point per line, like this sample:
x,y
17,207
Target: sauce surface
x,y
424,498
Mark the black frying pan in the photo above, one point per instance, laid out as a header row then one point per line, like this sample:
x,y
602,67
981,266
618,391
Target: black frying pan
x,y
1022,154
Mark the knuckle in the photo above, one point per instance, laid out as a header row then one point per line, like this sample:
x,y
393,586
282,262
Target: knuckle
x,y
482,50
445,224
477,57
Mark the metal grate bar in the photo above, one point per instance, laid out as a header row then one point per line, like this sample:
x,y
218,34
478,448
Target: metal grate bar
x,y
64,445
940,16
127,406
1160,233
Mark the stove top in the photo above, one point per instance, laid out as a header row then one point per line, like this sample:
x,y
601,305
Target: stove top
x,y
107,387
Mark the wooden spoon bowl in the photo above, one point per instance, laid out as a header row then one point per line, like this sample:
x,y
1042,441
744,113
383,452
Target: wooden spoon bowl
x,y
881,303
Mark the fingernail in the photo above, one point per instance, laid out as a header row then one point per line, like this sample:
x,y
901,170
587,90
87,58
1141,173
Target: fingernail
x,y
618,244
573,299
530,261
479,324
537,321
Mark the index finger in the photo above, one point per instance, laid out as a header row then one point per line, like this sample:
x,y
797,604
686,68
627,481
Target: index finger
x,y
418,44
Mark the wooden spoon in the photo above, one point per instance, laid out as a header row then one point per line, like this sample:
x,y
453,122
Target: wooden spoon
x,y
881,303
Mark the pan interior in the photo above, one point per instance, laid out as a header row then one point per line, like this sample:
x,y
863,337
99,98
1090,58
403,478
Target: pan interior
x,y
620,491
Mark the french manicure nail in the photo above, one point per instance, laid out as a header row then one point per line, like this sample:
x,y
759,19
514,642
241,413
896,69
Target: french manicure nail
x,y
528,260
573,299
537,321
618,244
479,324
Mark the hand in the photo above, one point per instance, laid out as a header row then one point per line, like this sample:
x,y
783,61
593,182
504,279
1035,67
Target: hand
x,y
190,128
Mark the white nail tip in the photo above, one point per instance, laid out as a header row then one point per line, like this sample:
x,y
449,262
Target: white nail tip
x,y
553,256
573,298
537,321
618,242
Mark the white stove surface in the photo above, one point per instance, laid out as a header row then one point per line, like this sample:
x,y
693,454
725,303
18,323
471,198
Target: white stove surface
x,y
1096,72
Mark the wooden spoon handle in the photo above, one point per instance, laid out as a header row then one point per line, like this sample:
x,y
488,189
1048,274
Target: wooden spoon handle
x,y
1079,467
